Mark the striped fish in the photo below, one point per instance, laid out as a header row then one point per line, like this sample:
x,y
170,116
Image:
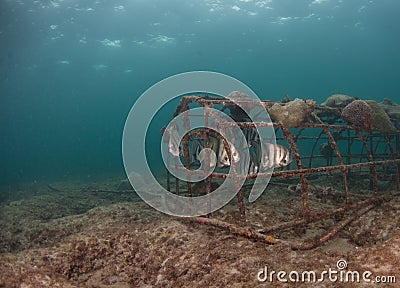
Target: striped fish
x,y
275,155
220,158
177,149
173,141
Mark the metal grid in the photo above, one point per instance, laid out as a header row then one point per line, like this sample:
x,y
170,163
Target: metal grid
x,y
377,150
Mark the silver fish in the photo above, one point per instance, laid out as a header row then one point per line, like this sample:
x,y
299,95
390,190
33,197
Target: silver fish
x,y
173,142
220,158
274,156
176,148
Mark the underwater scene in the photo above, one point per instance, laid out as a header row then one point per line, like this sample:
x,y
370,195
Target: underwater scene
x,y
207,143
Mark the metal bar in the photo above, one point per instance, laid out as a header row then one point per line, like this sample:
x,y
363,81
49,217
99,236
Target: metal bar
x,y
339,158
304,184
313,149
396,168
168,174
348,157
374,179
207,159
185,140
298,172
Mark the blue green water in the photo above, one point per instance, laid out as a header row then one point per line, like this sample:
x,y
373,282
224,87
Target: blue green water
x,y
71,70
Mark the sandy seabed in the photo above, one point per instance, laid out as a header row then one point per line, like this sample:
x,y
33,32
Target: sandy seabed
x,y
79,234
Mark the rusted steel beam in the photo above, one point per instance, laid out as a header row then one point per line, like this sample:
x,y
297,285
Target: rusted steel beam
x,y
239,230
248,125
313,149
184,102
303,181
325,214
313,243
397,139
374,179
185,140
168,174
168,181
177,185
293,173
333,144
242,210
207,159
305,245
393,155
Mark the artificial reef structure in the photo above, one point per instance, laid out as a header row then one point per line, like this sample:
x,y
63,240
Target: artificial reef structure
x,y
334,145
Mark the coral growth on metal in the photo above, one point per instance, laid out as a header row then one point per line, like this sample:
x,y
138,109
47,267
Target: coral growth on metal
x,y
345,147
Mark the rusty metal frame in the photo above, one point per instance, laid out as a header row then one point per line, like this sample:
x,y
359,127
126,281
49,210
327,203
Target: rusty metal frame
x,y
314,122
